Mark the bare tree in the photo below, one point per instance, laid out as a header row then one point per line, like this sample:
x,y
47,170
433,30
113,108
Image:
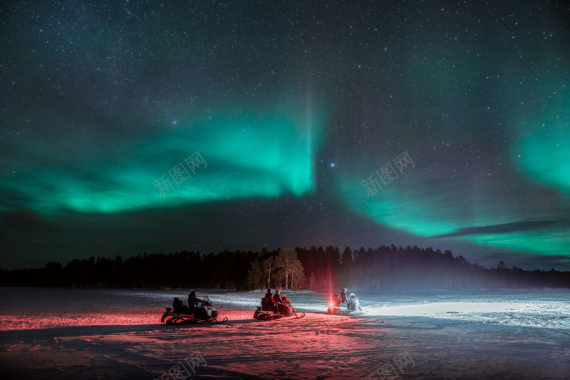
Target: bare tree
x,y
268,266
255,275
297,275
288,261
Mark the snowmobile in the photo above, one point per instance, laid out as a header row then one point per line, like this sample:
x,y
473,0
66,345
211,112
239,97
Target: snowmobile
x,y
269,311
180,314
334,305
352,304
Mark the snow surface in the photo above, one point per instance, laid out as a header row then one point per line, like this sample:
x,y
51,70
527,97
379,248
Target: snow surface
x,y
116,334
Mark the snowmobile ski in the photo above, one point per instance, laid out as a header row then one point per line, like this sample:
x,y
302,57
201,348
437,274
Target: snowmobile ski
x,y
171,318
267,315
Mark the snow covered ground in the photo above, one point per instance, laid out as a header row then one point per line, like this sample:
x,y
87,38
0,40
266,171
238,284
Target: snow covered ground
x,y
117,334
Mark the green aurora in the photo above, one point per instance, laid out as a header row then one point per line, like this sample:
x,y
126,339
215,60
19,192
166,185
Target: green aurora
x,y
248,155
544,150
290,106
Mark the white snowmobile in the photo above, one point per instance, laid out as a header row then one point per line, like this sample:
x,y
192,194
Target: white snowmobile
x,y
352,305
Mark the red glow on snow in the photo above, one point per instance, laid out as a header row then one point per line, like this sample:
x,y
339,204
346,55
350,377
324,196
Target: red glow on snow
x,y
126,318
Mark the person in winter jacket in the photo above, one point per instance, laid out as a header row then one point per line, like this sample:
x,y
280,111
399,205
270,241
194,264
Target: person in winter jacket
x,y
286,306
268,294
268,303
194,302
277,296
343,296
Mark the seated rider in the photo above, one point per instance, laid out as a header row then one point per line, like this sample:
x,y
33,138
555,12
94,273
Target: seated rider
x,y
277,299
285,307
353,303
194,302
267,302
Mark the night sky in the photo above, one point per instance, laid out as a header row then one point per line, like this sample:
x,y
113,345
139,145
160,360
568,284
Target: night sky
x,y
140,126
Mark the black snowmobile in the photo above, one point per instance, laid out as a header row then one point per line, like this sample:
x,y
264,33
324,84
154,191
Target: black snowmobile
x,y
180,314
270,311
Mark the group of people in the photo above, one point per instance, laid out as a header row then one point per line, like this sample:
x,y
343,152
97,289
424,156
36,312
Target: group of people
x,y
277,303
270,302
350,300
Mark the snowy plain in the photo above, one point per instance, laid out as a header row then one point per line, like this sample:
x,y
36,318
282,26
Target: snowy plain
x,y
117,334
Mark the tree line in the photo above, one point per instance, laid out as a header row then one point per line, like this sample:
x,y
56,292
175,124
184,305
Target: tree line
x,y
274,270
386,268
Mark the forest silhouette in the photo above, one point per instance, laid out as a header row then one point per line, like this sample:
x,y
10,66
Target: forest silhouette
x,y
386,268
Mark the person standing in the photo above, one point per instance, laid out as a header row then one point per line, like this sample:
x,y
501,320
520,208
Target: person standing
x,y
343,295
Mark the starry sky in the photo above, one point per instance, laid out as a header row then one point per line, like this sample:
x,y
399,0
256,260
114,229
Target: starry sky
x,y
149,126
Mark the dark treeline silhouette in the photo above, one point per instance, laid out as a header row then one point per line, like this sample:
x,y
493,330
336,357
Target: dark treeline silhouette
x,y
384,268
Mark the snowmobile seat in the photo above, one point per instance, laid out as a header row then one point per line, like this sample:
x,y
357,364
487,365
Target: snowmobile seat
x,y
177,305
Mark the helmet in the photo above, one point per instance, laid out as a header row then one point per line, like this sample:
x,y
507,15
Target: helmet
x,y
345,289
352,295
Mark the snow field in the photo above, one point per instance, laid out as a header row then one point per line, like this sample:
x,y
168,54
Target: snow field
x,y
93,334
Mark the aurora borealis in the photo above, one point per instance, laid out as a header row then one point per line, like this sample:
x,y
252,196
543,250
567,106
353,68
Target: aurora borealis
x,y
292,104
